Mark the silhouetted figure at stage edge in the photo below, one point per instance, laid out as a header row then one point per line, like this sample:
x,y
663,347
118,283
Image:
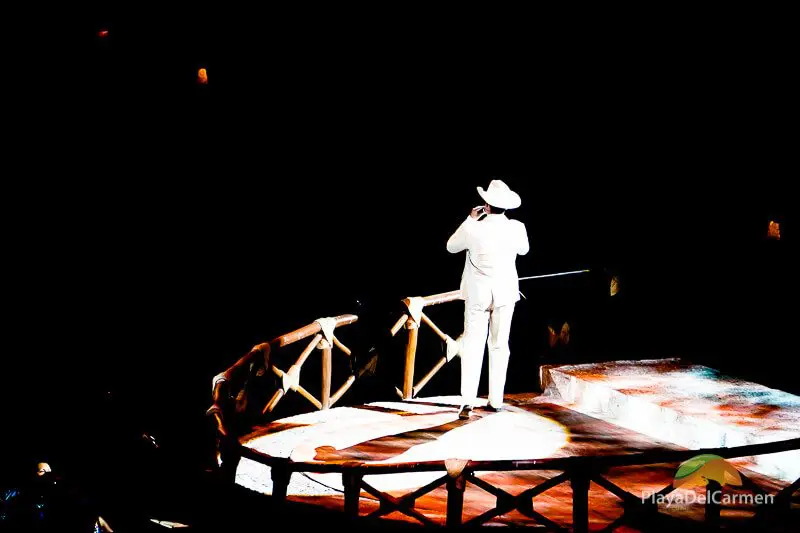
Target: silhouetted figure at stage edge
x,y
490,287
46,503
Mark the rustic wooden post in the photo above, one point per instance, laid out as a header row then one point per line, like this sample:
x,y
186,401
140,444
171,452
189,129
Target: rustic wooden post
x,y
325,346
713,501
580,500
281,474
456,483
351,479
455,499
229,455
411,354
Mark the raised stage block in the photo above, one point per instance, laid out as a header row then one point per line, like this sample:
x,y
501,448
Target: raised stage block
x,y
689,405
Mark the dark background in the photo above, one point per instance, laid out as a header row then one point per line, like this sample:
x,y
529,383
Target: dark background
x,y
155,229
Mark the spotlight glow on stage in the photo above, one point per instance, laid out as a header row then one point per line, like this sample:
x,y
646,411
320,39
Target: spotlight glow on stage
x,y
396,432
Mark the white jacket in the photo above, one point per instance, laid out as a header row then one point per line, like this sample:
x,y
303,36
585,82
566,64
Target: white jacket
x,y
490,269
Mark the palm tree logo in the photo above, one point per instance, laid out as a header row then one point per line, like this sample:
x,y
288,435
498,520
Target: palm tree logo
x,y
701,469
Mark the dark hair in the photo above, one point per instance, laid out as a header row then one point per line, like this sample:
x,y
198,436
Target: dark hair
x,y
496,210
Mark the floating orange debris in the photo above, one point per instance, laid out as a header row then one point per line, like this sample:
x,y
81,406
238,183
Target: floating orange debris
x,y
202,76
774,231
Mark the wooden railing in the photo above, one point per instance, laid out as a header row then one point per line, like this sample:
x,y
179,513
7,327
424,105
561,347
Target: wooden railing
x,y
578,471
324,340
259,360
413,318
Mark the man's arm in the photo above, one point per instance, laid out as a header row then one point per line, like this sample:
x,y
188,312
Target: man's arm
x,y
458,240
523,245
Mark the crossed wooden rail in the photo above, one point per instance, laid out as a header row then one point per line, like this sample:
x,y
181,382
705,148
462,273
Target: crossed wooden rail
x,y
260,357
579,471
413,318
324,339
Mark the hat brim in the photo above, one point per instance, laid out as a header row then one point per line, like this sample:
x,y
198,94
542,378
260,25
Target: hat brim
x,y
503,200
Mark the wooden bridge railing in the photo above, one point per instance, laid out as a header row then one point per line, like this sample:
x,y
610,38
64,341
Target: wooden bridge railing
x,y
578,471
259,360
413,318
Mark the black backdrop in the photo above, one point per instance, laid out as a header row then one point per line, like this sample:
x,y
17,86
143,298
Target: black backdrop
x,y
157,228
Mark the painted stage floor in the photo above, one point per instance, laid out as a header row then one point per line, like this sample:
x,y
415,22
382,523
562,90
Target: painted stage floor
x,y
685,404
531,427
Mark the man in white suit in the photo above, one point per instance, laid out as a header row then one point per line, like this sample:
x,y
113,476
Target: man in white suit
x,y
490,288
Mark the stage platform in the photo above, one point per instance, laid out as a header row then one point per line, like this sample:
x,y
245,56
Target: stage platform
x,y
609,409
687,405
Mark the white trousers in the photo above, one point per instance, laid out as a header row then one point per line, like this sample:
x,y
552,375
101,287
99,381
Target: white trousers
x,y
477,320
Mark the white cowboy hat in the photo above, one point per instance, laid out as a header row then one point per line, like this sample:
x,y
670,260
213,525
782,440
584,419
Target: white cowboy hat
x,y
499,195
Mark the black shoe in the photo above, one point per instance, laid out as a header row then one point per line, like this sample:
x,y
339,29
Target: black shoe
x,y
495,409
465,413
